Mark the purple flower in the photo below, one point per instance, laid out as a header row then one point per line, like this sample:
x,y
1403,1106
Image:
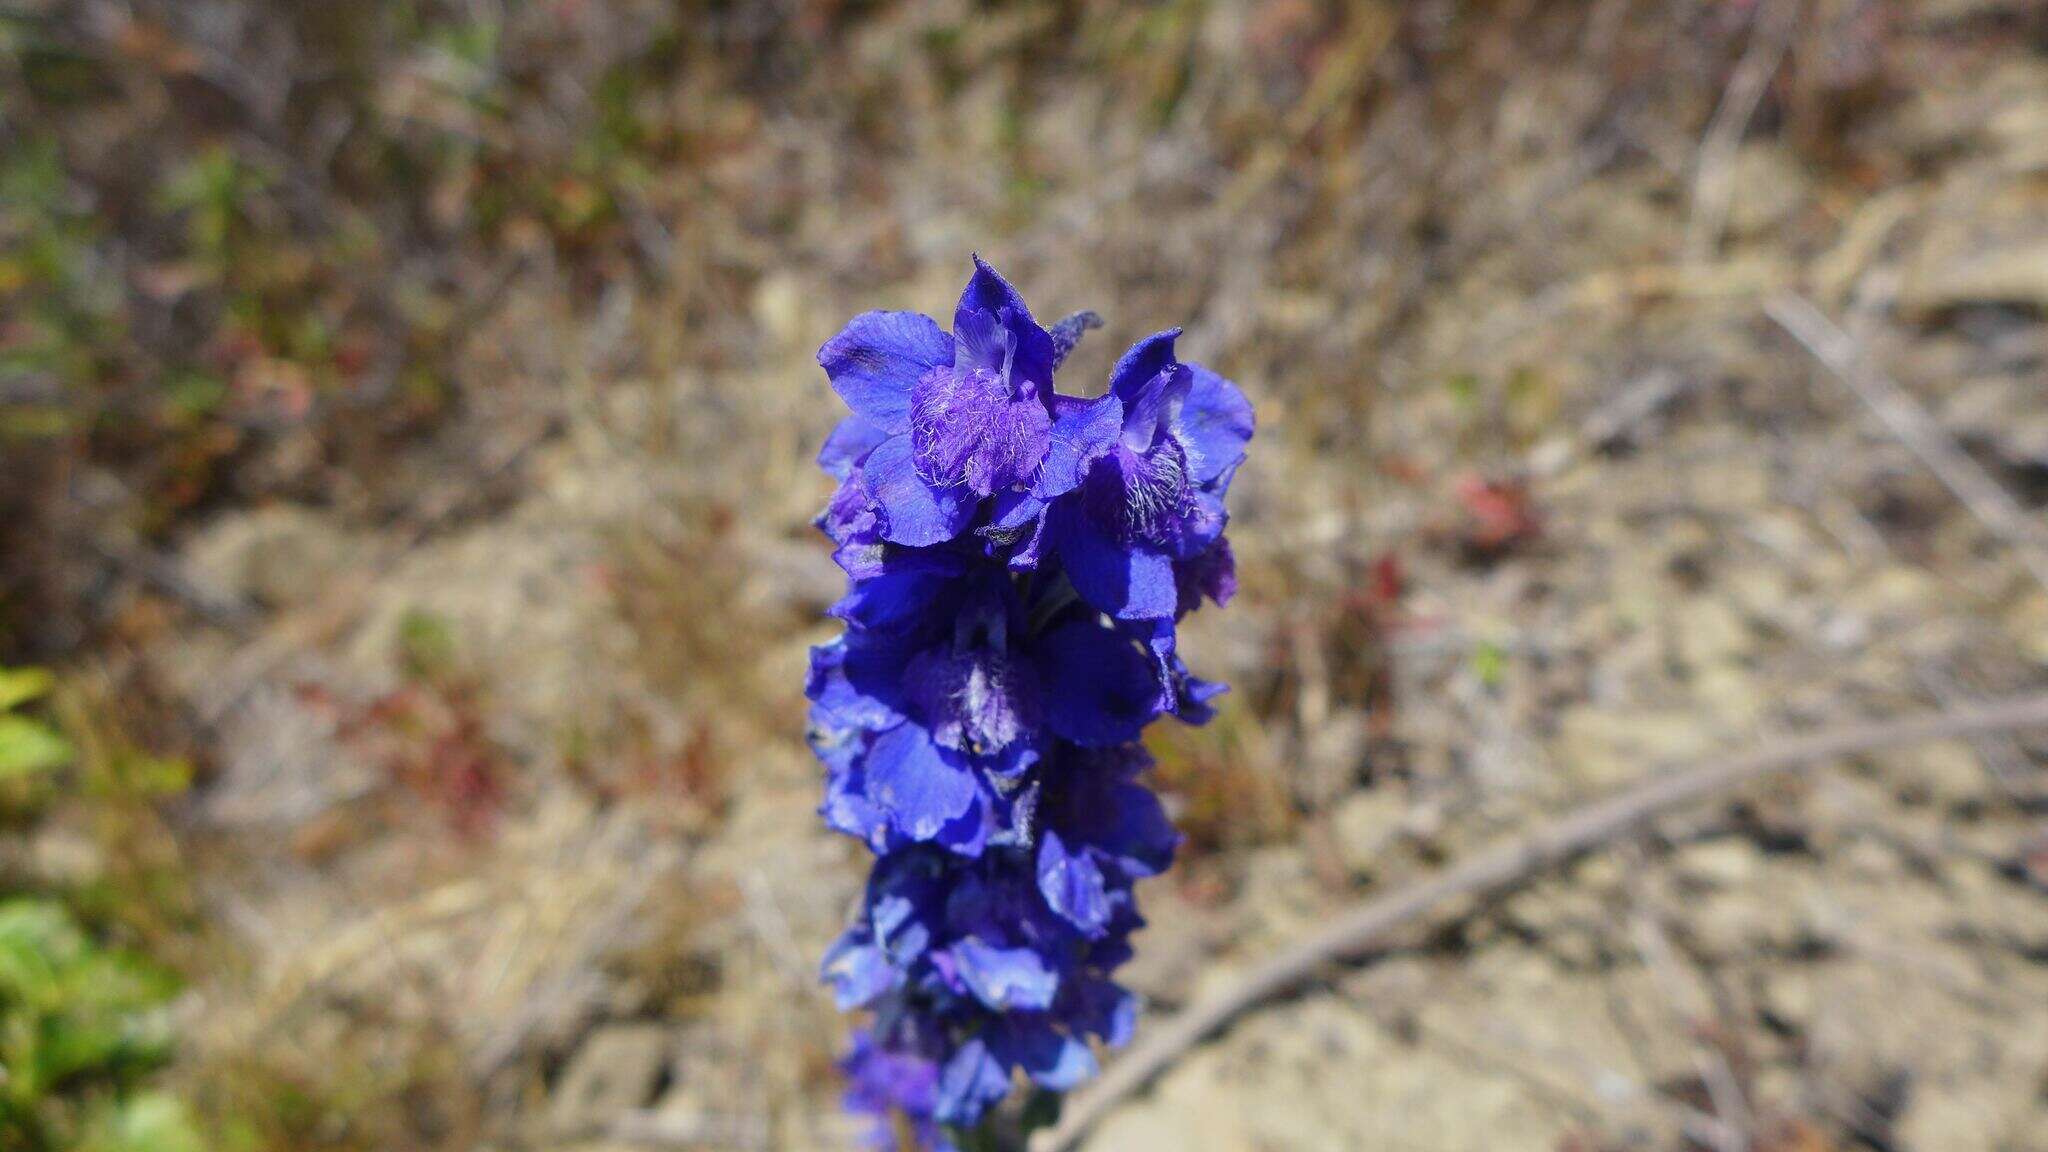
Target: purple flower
x,y
946,691
895,1086
1157,456
998,983
1017,563
941,420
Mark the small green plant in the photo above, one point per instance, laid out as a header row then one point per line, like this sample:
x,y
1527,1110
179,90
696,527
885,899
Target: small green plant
x,y
82,1023
62,303
29,748
210,191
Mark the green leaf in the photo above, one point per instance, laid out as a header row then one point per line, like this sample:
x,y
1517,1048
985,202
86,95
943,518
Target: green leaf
x,y
18,686
152,777
114,981
1490,661
426,644
29,747
147,1122
83,1010
37,940
95,1044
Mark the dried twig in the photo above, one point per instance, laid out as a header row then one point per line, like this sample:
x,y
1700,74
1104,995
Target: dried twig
x,y
1505,867
1724,1091
1917,430
1618,419
2007,761
1714,179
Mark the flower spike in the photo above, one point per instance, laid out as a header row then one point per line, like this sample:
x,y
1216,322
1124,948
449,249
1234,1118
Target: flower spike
x,y
1017,562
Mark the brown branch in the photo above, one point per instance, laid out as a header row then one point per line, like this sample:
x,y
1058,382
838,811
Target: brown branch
x,y
1503,868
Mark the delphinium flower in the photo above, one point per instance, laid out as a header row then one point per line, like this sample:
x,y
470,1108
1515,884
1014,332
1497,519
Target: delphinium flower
x,y
1017,562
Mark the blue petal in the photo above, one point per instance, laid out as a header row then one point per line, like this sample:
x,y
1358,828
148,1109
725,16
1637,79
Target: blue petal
x,y
835,742
1017,525
848,444
1161,642
1099,689
1012,513
859,973
1141,363
877,357
850,519
921,786
968,834
971,1083
873,668
980,342
1144,498
861,559
1052,1060
902,591
1124,821
1200,526
1138,833
1005,979
988,292
1026,556
1072,885
843,683
1214,425
1081,431
1150,382
1212,574
896,924
1192,694
979,701
1100,1008
1131,583
916,514
882,1082
848,810
1013,760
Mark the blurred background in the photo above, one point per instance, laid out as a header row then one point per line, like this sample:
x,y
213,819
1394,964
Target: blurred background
x,y
406,415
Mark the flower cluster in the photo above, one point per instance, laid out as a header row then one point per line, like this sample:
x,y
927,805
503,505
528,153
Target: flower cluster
x,y
1017,561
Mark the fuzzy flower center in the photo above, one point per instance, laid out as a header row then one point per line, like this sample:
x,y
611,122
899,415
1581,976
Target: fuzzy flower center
x,y
977,698
1139,497
975,427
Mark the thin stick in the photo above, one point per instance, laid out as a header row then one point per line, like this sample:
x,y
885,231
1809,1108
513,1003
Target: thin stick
x,y
1507,866
1713,183
1917,430
1724,1091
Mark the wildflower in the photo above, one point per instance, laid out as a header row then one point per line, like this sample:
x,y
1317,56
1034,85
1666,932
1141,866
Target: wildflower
x,y
1017,563
942,420
952,695
1150,497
